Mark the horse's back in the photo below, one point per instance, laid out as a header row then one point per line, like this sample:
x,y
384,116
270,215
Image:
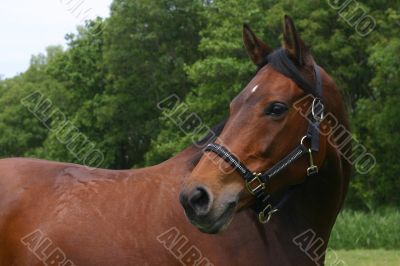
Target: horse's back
x,y
38,196
19,176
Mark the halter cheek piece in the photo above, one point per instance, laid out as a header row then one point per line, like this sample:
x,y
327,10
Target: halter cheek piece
x,y
257,182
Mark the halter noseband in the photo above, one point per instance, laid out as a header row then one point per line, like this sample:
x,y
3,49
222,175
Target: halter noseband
x,y
256,182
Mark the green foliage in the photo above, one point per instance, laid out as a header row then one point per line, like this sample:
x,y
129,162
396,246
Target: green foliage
x,y
21,132
376,121
147,44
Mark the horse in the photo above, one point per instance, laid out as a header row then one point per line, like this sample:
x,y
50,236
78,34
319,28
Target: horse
x,y
279,154
54,213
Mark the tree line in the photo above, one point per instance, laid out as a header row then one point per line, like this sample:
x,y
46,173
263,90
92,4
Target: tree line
x,y
113,74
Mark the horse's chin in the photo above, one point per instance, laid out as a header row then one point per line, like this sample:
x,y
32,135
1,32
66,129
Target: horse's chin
x,y
219,224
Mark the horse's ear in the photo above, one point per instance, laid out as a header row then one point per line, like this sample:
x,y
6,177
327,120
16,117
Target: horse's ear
x,y
256,48
293,43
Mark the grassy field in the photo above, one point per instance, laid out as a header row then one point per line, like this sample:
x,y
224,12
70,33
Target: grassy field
x,y
366,257
365,239
360,230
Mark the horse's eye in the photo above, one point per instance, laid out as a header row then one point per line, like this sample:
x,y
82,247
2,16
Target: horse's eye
x,y
276,109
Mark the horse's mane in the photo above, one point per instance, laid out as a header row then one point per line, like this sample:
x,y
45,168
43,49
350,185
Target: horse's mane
x,y
303,75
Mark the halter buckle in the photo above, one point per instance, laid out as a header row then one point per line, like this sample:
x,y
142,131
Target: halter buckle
x,y
255,184
265,215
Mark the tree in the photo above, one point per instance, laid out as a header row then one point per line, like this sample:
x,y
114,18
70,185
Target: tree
x,y
376,121
148,43
22,133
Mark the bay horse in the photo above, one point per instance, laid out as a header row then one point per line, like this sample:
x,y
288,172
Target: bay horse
x,y
65,214
277,155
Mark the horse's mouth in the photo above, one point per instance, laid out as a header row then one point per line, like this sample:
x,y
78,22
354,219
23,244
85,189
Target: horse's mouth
x,y
219,224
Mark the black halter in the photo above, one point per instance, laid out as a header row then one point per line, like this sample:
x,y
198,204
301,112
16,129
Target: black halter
x,y
256,182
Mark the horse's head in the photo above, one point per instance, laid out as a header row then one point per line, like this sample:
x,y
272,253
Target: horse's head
x,y
264,126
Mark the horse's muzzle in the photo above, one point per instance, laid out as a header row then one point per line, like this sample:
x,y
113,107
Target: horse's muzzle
x,y
198,206
197,202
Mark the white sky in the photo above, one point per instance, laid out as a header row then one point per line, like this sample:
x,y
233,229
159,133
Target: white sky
x,y
27,27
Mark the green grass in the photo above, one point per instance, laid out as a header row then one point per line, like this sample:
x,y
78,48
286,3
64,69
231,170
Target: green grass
x,y
360,230
378,257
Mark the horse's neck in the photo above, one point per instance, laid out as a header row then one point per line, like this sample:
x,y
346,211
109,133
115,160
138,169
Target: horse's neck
x,y
173,170
182,164
305,222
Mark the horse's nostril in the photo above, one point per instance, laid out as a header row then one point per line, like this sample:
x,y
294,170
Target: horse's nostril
x,y
199,201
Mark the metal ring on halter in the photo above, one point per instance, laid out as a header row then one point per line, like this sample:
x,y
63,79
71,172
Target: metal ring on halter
x,y
318,116
302,140
265,215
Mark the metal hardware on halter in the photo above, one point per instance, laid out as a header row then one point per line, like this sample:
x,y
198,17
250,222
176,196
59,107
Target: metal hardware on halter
x,y
249,184
303,139
318,115
312,169
265,215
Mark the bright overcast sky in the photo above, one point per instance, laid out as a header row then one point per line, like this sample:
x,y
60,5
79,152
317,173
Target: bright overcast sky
x,y
27,27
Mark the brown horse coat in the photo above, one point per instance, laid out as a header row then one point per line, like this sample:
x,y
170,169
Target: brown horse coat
x,y
104,217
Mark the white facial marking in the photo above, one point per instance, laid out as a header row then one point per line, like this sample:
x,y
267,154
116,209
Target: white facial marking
x,y
254,89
